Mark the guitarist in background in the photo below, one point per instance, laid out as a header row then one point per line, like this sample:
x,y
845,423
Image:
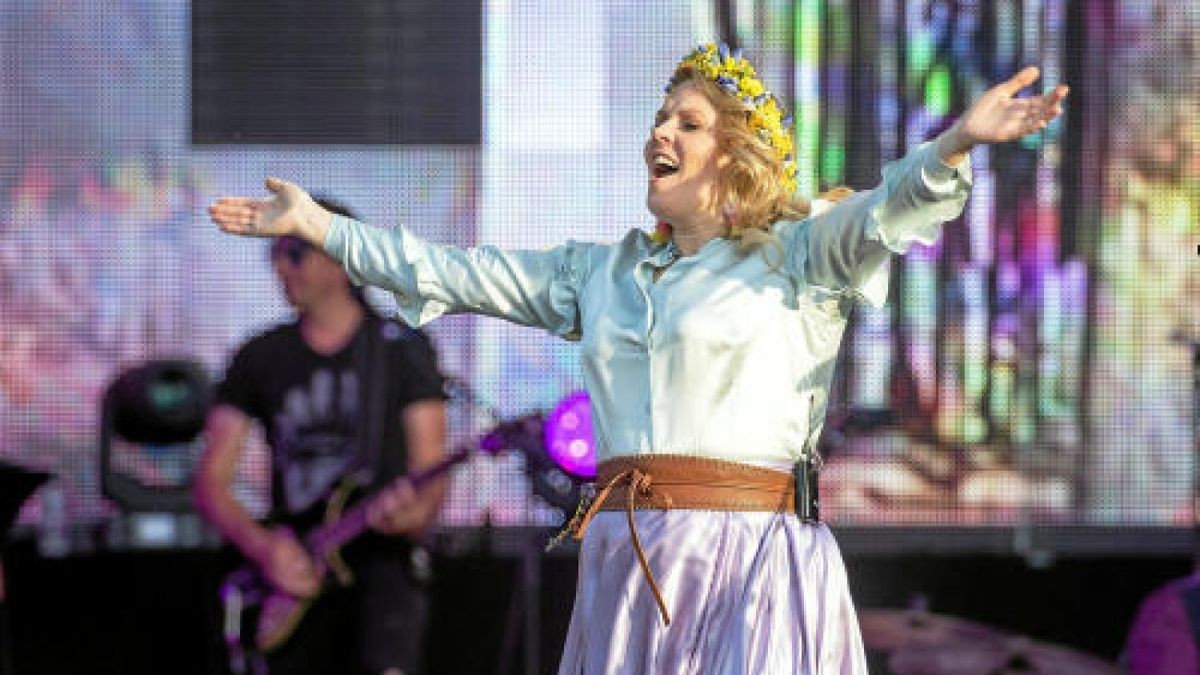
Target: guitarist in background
x,y
306,383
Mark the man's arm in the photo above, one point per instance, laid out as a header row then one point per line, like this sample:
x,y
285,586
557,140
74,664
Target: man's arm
x,y
425,434
280,557
400,509
225,430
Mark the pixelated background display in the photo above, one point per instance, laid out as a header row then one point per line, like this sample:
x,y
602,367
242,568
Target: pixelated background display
x,y
1033,365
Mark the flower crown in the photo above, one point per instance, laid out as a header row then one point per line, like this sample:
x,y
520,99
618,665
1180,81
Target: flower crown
x,y
738,78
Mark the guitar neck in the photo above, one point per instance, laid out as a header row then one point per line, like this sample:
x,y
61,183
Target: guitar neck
x,y
353,521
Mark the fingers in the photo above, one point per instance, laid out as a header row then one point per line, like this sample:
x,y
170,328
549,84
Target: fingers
x,y
232,211
276,185
1051,100
303,587
232,207
393,509
1036,112
391,522
1025,77
1055,98
376,512
298,571
300,577
289,566
1050,105
235,215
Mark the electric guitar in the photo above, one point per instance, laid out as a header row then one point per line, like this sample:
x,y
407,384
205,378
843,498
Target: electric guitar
x,y
280,612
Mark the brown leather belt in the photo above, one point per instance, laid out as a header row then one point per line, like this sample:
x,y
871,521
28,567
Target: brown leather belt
x,y
663,482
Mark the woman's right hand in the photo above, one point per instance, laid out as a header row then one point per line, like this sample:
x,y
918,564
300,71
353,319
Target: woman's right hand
x,y
291,211
287,566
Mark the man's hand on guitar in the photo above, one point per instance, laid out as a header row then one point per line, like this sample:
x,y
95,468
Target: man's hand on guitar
x,y
287,566
396,510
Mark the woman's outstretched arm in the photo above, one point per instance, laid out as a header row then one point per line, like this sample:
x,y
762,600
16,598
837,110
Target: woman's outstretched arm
x,y
531,288
847,248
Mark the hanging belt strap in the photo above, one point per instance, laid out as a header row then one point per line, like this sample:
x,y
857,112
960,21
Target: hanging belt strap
x,y
664,482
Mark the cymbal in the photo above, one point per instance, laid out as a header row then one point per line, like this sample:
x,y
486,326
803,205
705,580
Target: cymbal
x,y
888,629
1018,656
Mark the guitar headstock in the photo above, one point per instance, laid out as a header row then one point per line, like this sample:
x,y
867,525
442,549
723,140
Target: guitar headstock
x,y
523,433
563,438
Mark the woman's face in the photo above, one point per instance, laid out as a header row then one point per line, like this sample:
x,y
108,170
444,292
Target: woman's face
x,y
684,158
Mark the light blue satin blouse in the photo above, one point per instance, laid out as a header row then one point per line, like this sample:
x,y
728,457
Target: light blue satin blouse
x,y
727,355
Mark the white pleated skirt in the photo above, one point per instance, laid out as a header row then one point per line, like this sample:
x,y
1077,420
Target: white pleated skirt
x,y
750,593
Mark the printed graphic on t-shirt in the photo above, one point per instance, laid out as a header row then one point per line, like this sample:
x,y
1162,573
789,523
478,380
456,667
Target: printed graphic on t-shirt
x,y
314,439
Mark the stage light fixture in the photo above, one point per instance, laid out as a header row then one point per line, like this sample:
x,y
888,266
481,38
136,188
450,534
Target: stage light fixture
x,y
559,449
569,438
159,408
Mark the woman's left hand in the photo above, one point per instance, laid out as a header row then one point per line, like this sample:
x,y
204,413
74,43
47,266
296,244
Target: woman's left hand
x,y
998,116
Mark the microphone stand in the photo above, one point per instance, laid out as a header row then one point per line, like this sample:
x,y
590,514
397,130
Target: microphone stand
x,y
1195,345
16,485
526,600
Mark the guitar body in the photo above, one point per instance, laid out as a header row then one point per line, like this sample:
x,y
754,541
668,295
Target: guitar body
x,y
278,618
1165,636
279,613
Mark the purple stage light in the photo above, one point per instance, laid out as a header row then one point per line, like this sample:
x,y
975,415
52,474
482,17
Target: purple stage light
x,y
570,442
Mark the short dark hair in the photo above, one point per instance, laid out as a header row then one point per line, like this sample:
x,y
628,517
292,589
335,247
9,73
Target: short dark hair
x,y
331,204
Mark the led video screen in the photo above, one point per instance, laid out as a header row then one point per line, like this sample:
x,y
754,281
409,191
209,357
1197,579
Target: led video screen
x,y
1035,364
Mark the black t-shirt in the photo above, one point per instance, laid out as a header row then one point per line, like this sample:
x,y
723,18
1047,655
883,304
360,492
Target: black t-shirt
x,y
309,406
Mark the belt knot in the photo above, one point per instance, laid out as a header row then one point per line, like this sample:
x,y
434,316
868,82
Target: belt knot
x,y
639,482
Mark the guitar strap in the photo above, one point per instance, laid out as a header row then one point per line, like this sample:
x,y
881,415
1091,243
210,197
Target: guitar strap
x,y
371,363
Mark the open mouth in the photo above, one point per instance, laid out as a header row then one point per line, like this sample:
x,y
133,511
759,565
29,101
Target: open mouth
x,y
663,166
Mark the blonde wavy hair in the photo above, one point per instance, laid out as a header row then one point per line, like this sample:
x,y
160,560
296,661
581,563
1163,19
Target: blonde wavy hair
x,y
753,185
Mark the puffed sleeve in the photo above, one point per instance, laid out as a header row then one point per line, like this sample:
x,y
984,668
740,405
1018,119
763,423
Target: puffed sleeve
x,y
847,248
531,288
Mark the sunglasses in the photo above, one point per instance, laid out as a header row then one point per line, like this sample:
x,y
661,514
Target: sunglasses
x,y
291,249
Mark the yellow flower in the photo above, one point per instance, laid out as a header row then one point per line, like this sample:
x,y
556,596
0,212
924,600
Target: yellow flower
x,y
764,116
751,88
782,142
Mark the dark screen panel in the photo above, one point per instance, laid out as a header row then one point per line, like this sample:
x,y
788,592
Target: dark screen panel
x,y
344,72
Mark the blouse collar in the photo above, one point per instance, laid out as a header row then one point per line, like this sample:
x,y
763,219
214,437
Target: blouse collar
x,y
663,254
